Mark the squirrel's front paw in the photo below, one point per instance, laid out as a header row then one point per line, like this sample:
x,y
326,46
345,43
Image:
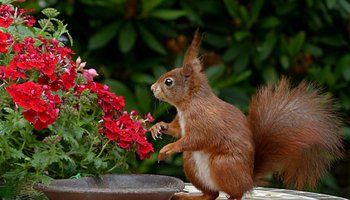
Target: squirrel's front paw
x,y
167,150
158,129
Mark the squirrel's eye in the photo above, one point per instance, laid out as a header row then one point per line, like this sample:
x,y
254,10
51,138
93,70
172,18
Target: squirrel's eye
x,y
168,82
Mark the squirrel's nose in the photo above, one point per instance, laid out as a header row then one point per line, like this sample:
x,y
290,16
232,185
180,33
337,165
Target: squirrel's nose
x,y
153,87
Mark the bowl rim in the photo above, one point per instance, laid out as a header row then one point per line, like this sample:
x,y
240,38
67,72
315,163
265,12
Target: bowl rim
x,y
179,186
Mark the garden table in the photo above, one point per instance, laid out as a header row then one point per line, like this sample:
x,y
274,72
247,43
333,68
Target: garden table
x,y
262,193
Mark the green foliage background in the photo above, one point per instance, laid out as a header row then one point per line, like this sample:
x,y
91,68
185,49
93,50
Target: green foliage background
x,y
246,43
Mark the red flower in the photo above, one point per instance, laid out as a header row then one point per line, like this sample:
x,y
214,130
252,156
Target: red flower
x,y
127,131
5,15
108,100
5,41
39,104
6,72
143,150
68,78
8,14
5,21
25,94
45,58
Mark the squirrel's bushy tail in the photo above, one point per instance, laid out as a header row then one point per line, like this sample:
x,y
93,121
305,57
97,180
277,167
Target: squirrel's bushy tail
x,y
296,133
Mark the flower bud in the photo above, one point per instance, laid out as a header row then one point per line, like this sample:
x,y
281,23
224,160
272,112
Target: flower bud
x,y
82,65
89,74
50,12
78,61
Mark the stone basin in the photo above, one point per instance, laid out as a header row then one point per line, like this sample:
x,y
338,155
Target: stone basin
x,y
113,187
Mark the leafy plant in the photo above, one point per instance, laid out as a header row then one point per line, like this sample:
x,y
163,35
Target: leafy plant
x,y
55,120
246,44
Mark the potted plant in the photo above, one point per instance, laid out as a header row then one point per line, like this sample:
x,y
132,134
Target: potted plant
x,y
55,120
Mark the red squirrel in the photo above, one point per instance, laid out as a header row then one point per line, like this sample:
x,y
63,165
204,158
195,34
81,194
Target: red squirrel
x,y
291,132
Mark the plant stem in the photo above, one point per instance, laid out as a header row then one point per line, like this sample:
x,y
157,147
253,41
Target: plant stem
x,y
45,26
115,166
103,148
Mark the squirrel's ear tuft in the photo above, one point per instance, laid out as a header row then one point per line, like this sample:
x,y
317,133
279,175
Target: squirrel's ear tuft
x,y
191,54
187,70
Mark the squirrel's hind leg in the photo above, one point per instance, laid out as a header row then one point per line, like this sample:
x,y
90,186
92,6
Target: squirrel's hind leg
x,y
192,175
232,176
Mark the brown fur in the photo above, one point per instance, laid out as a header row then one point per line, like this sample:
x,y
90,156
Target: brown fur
x,y
289,131
302,131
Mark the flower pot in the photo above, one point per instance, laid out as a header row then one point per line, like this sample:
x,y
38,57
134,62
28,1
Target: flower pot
x,y
113,187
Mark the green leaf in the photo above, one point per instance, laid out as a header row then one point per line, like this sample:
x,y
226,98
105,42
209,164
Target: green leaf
x,y
236,96
214,72
98,162
17,154
256,8
167,14
270,75
244,15
232,8
103,36
346,133
66,135
21,123
89,156
149,5
346,73
255,12
215,40
192,14
266,48
143,98
344,64
46,180
143,78
330,181
240,35
286,8
270,22
297,43
7,191
127,37
241,62
313,49
310,3
345,5
77,132
284,60
330,4
47,24
327,76
9,110
333,40
41,160
2,129
62,29
151,41
234,51
15,173
158,71
234,79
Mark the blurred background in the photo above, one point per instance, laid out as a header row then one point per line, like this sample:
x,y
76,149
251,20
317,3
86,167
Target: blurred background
x,y
246,43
